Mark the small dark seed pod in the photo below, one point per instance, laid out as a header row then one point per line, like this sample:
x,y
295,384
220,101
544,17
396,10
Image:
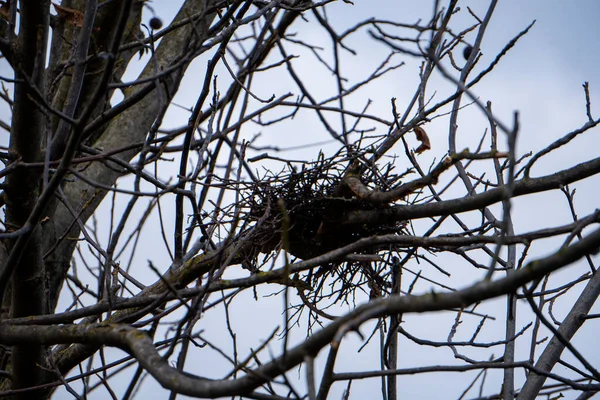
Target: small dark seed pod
x,y
467,52
155,23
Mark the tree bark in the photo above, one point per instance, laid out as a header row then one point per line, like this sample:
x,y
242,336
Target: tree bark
x,y
23,187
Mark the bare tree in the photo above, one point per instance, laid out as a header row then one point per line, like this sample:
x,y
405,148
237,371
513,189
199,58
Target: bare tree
x,y
203,217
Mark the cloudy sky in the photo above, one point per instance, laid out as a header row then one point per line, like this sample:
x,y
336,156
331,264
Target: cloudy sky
x,y
541,78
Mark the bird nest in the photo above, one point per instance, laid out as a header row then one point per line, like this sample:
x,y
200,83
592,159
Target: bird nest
x,y
305,211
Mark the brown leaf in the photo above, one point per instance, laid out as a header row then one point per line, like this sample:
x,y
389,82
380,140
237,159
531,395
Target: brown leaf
x,y
5,10
70,15
423,138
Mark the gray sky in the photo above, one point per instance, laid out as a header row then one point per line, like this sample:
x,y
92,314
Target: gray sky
x,y
541,78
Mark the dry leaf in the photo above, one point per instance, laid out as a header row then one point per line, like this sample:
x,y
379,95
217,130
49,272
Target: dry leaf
x,y
375,290
5,10
70,15
423,138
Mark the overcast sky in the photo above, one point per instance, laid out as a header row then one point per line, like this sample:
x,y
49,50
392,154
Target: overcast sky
x,y
541,78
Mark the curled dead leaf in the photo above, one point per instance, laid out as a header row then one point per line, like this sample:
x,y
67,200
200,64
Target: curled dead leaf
x,y
70,15
423,138
5,10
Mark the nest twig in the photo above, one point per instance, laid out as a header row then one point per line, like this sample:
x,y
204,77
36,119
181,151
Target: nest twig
x,y
317,201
